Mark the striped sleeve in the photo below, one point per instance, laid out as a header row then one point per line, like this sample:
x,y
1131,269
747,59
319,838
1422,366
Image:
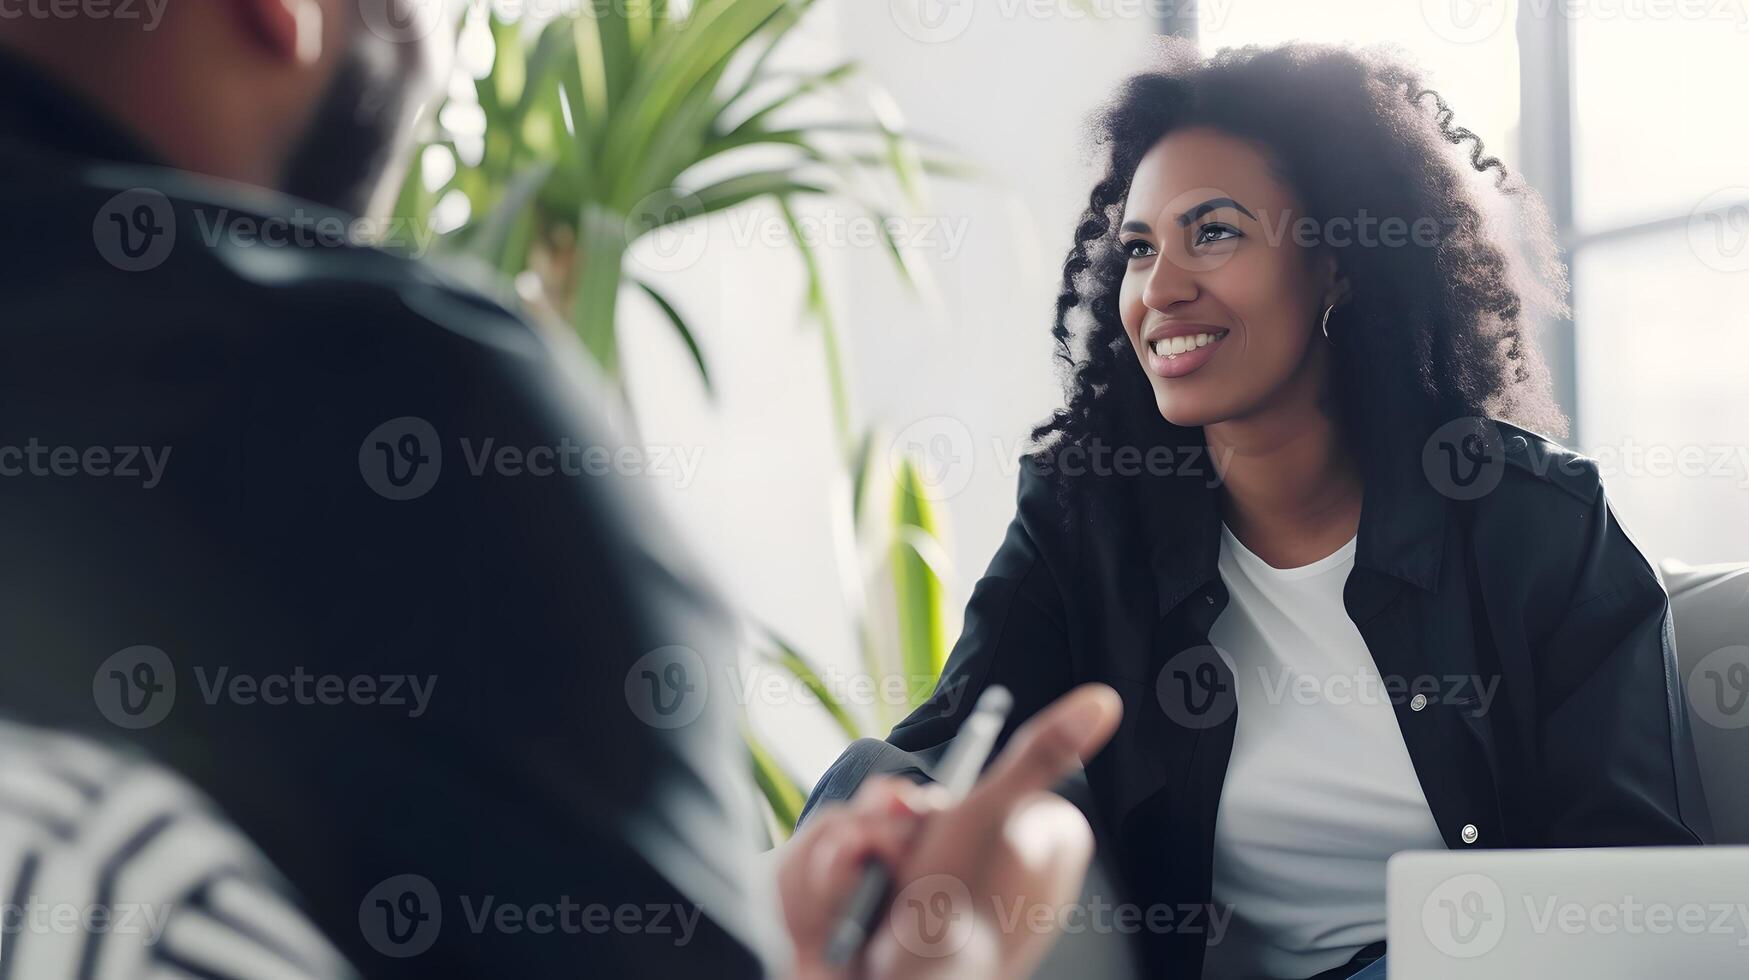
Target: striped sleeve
x,y
112,867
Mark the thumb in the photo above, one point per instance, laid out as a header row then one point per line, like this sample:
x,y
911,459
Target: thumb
x,y
1070,730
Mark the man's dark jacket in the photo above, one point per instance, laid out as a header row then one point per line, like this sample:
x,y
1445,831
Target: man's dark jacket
x,y
1523,639
272,376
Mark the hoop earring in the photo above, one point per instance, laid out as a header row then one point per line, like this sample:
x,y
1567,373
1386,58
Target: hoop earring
x,y
1326,324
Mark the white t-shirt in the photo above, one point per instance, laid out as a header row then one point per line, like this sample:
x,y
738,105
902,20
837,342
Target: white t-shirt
x,y
1320,790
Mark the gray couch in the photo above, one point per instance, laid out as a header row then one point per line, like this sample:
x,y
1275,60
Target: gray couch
x,y
1710,607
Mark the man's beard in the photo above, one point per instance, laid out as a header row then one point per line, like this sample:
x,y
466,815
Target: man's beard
x,y
353,139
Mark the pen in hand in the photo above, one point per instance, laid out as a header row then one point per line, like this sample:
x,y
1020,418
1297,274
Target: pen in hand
x,y
959,770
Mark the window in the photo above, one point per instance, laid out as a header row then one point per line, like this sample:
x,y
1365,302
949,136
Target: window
x,y
1633,134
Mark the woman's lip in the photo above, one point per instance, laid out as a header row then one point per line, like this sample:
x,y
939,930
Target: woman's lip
x,y
1182,364
1181,329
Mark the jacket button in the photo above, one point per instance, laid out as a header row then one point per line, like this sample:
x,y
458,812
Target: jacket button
x,y
1418,702
1469,833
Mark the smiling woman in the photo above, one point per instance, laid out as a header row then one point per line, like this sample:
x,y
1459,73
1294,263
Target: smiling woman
x,y
1290,193
1394,616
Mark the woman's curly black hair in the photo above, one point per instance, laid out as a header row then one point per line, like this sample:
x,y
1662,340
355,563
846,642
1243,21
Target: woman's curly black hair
x,y
1429,332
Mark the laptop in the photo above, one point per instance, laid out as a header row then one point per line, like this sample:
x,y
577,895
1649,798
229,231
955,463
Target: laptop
x,y
1607,913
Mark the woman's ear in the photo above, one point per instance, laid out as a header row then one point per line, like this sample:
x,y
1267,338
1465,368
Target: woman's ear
x,y
1336,284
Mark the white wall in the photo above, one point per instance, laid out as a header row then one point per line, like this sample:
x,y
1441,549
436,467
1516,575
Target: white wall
x,y
1010,94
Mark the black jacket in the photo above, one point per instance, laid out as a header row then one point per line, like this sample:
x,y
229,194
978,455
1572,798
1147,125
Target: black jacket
x,y
1525,641
260,369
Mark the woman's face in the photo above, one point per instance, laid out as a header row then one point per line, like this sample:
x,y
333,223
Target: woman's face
x,y
1221,298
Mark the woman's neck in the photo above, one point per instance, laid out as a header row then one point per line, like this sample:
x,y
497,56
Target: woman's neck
x,y
1290,485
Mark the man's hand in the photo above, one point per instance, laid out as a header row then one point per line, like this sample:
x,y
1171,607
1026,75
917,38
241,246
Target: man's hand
x,y
973,881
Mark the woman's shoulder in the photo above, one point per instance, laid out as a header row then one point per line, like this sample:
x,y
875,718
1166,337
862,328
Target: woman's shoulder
x,y
1535,464
1535,481
1551,512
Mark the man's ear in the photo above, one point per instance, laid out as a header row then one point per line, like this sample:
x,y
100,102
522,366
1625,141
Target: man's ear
x,y
289,30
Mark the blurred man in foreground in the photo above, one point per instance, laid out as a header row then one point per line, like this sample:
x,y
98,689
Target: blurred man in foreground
x,y
243,538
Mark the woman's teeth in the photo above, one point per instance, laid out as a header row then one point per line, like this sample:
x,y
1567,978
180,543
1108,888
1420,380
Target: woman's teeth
x,y
1174,346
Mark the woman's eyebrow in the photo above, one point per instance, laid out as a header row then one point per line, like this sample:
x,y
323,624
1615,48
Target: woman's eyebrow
x,y
1212,204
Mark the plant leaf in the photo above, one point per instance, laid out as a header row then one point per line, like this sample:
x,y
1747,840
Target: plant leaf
x,y
601,243
919,591
821,311
686,336
778,787
786,657
490,238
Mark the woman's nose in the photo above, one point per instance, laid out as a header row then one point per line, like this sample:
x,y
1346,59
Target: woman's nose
x,y
1170,281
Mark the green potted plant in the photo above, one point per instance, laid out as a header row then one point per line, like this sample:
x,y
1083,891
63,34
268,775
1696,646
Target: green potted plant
x,y
580,136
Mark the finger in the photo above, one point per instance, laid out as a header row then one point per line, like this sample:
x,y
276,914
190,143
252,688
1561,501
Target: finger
x,y
1067,732
878,819
1046,838
835,867
1040,860
882,792
877,822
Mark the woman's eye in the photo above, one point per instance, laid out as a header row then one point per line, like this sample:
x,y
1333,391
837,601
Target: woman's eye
x,y
1136,248
1223,231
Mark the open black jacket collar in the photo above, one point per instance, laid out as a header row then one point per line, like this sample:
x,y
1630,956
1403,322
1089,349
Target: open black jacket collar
x,y
1401,535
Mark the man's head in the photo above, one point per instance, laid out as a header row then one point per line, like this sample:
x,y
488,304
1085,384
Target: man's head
x,y
316,98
